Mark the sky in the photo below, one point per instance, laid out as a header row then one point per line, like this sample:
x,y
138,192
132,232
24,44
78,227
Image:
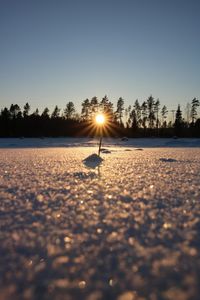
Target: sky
x,y
56,51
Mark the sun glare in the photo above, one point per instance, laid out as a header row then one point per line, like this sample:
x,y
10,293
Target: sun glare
x,y
100,119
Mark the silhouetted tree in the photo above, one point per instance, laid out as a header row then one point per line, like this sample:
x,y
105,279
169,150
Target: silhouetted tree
x,y
178,125
36,112
144,114
45,113
119,111
194,106
14,110
69,110
138,114
107,108
93,107
56,113
151,113
5,114
156,112
164,113
134,121
85,112
26,110
127,115
188,113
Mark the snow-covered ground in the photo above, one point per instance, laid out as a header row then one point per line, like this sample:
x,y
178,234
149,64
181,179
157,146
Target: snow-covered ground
x,y
125,228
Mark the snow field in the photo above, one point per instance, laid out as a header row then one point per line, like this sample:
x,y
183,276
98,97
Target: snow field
x,y
126,229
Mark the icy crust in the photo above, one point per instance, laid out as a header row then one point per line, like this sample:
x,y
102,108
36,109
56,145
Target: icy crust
x,y
127,229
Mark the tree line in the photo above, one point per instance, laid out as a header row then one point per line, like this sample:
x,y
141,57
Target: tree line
x,y
146,119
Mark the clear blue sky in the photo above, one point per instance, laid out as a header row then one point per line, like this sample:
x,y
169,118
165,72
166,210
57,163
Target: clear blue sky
x,y
55,51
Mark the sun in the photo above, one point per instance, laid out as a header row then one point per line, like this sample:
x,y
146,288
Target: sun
x,y
99,124
100,119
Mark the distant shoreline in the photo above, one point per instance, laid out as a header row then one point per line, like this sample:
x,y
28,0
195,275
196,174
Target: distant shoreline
x,y
53,142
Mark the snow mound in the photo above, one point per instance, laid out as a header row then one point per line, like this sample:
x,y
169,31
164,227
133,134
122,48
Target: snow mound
x,y
92,161
104,150
168,160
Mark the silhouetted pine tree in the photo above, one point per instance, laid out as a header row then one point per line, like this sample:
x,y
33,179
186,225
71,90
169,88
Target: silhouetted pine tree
x,y
194,106
119,111
151,113
69,110
164,113
26,110
107,108
156,112
138,109
134,123
85,112
178,125
144,114
94,107
14,110
56,113
45,113
127,116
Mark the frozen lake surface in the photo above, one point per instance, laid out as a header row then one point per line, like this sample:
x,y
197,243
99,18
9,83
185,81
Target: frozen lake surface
x,y
125,228
90,142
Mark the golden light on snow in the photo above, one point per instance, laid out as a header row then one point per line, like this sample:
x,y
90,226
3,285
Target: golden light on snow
x,y
100,119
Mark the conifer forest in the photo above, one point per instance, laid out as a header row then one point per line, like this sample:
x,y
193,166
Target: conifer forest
x,y
142,119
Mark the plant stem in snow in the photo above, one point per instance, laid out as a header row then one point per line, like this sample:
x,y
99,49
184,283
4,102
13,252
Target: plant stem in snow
x,y
100,142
